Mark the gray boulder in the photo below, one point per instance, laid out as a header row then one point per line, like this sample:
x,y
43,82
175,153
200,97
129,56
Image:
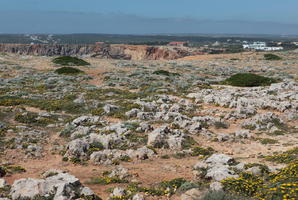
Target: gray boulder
x,y
220,172
110,108
62,186
219,159
216,186
2,183
167,138
85,119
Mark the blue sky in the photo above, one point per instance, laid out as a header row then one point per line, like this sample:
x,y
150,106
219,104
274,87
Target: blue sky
x,y
149,16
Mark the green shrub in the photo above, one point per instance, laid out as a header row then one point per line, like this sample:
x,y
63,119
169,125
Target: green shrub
x,y
247,185
281,185
219,125
33,119
105,180
165,73
163,188
26,118
179,155
95,146
199,151
165,157
11,101
221,195
12,169
188,185
274,186
286,157
248,80
271,56
68,71
264,168
58,105
69,61
268,141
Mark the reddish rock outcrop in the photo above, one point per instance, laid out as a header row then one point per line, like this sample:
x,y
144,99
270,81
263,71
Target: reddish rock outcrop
x,y
116,51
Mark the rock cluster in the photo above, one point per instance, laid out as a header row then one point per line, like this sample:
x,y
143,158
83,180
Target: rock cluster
x,y
60,186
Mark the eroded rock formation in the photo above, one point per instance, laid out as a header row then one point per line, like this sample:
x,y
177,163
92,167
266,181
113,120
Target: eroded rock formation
x,y
115,51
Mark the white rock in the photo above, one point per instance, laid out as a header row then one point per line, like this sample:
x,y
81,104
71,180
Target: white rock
x,y
192,194
216,186
219,159
2,183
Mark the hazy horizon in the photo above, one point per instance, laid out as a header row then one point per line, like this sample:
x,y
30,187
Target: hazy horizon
x,y
141,17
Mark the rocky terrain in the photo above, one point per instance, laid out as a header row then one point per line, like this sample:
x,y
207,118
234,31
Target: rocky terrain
x,y
146,129
114,51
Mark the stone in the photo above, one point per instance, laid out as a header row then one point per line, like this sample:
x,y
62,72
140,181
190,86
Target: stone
x,y
132,113
223,137
81,131
118,192
28,188
192,194
165,137
223,159
110,108
220,172
62,186
85,119
138,197
195,128
77,148
119,172
243,134
144,127
254,170
216,186
141,153
240,166
51,172
86,191
2,183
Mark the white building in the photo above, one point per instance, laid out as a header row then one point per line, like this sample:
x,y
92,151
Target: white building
x,y
255,45
261,46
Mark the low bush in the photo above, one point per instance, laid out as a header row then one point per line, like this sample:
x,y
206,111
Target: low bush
x,y
68,71
248,80
267,141
221,195
163,188
275,186
264,168
58,105
270,56
69,61
286,157
247,185
105,180
11,101
11,169
33,119
95,146
219,125
199,151
165,73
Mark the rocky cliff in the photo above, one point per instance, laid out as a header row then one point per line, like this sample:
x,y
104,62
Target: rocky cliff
x,y
116,51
